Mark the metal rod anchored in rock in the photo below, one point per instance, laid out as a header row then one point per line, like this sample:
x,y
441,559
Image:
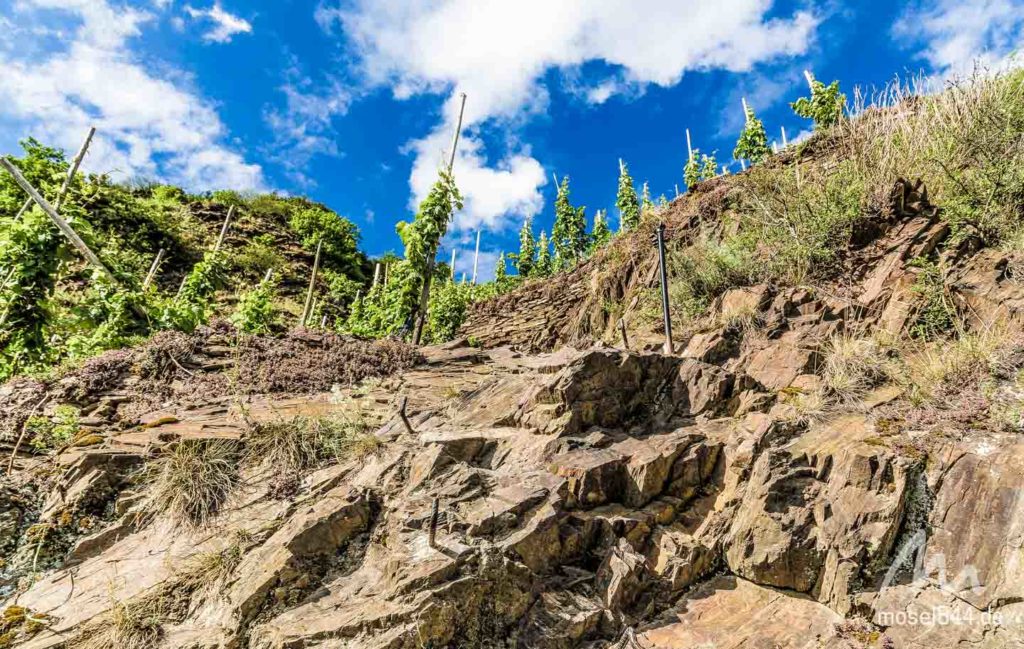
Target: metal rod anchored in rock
x,y
432,538
402,404
664,288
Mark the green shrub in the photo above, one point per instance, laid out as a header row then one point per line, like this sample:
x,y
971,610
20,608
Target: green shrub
x,y
936,313
53,432
255,312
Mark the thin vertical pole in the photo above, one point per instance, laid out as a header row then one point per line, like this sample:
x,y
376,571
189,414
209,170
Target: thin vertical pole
x,y
622,166
664,289
775,146
376,274
677,190
785,142
476,256
452,269
689,148
308,308
746,110
743,164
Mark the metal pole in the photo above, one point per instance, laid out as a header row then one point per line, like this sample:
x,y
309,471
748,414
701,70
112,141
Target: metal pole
x,y
689,149
785,142
746,110
664,289
453,265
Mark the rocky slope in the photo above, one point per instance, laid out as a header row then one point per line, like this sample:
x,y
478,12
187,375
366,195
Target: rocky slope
x,y
546,486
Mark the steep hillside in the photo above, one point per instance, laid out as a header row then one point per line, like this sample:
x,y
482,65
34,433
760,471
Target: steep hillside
x,y
831,457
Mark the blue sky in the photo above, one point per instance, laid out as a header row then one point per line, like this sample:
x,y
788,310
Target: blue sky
x,y
352,102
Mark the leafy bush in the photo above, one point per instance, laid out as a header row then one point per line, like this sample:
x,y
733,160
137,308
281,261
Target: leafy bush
x,y
753,142
936,314
569,233
340,237
53,432
626,200
255,312
824,106
448,303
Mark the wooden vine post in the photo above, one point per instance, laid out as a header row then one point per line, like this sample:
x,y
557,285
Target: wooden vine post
x,y
421,316
72,170
151,275
785,142
307,309
476,256
689,148
224,229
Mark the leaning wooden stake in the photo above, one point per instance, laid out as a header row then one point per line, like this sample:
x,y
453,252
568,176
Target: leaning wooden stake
x,y
63,225
21,437
308,307
224,229
402,405
72,170
152,269
746,110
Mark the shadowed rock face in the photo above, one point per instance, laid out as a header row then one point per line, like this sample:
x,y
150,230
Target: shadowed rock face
x,y
603,506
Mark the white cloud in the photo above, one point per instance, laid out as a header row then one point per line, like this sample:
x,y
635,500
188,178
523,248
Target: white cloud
x,y
147,125
492,193
225,25
498,53
303,127
960,34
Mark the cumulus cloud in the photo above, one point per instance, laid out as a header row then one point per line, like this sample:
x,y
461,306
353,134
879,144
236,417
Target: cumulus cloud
x,y
224,25
147,125
960,34
499,52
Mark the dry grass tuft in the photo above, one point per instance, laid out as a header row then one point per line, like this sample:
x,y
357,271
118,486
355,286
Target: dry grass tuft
x,y
193,480
855,365
135,624
300,443
953,365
